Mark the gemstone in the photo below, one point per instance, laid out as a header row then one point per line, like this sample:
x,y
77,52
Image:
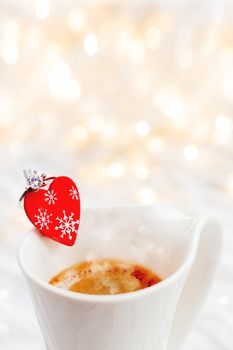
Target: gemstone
x,y
35,182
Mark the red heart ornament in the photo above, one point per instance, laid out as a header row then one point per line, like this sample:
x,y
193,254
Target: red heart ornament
x,y
55,211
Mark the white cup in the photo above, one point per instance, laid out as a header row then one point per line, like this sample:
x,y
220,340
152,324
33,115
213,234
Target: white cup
x,y
183,250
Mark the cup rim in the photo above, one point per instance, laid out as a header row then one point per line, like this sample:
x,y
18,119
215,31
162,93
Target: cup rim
x,y
74,296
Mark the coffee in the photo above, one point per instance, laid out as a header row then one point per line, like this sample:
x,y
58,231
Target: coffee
x,y
105,276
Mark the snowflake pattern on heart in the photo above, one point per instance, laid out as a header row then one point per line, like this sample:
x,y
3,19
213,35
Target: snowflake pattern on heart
x,y
50,197
67,224
55,211
43,219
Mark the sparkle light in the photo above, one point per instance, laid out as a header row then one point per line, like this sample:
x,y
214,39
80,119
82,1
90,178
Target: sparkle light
x,y
61,84
76,19
58,75
191,152
116,169
171,104
9,47
42,8
137,51
142,128
150,73
91,44
9,51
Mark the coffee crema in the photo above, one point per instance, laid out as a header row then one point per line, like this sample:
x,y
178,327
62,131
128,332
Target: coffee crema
x,y
105,277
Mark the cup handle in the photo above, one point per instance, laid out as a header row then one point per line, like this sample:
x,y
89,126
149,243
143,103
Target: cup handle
x,y
207,241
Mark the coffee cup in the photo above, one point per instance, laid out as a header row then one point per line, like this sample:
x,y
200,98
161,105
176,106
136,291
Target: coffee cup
x,y
183,250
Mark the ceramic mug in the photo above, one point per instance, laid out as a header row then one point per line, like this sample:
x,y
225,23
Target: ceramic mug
x,y
183,250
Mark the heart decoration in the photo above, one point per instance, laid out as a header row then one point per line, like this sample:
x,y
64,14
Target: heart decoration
x,y
55,211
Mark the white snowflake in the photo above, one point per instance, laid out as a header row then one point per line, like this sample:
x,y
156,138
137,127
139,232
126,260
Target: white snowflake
x,y
73,193
50,197
67,225
43,219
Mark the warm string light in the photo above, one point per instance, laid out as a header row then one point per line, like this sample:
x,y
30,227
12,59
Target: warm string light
x,y
61,84
146,195
91,44
170,103
42,8
137,51
9,44
133,53
191,152
9,51
116,169
76,19
142,128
